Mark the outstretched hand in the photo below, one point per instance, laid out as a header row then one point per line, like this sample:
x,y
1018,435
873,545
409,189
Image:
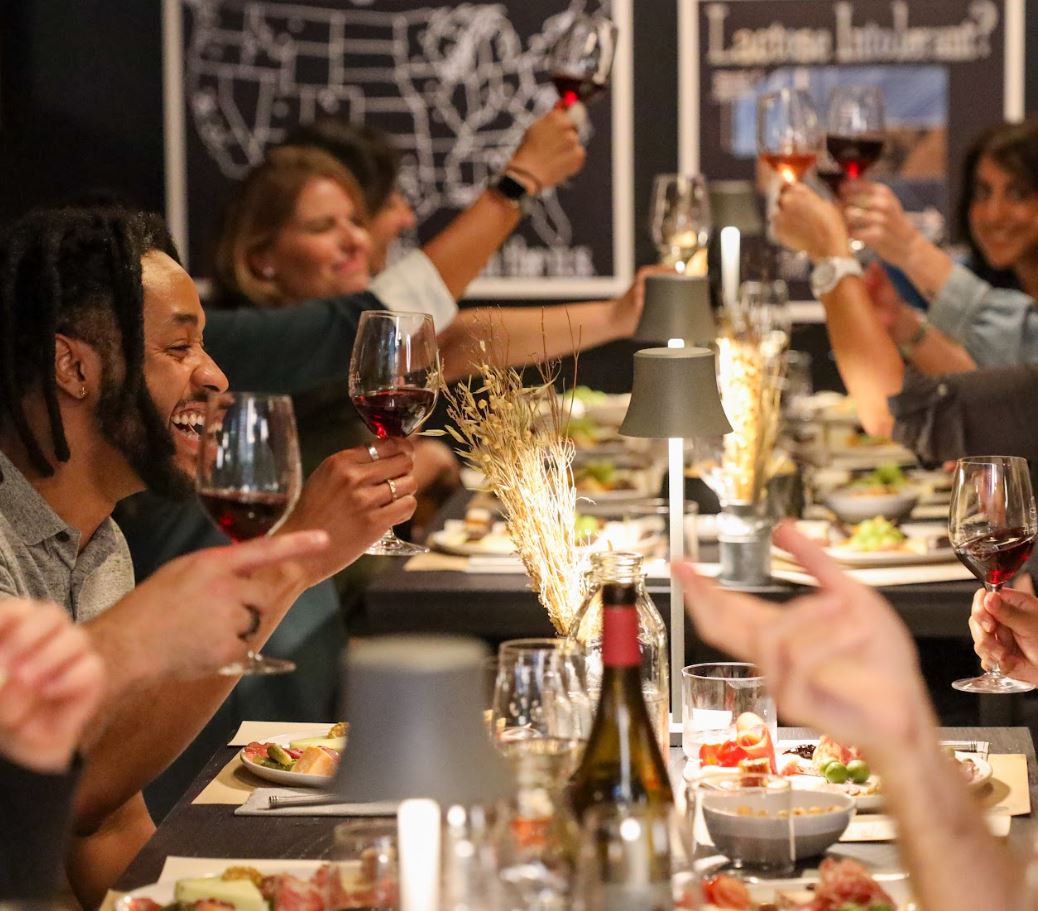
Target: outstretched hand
x,y
839,660
874,216
805,222
51,682
550,152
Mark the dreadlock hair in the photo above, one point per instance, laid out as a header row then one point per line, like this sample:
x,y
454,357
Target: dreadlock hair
x,y
76,272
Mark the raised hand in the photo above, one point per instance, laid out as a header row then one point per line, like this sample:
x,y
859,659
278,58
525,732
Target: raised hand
x,y
550,152
839,660
351,498
1004,626
803,221
875,217
51,682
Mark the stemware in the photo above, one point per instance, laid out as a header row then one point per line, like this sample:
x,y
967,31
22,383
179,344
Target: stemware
x,y
992,525
394,375
679,219
787,133
855,128
581,60
249,477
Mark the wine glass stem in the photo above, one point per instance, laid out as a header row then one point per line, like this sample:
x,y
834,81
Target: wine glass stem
x,y
994,670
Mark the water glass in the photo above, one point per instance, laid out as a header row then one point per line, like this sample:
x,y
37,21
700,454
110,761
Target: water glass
x,y
742,822
366,863
713,698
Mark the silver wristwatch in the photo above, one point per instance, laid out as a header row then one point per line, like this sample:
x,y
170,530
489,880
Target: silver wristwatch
x,y
828,272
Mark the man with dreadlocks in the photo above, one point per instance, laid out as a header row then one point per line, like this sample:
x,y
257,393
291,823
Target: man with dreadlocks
x,y
101,372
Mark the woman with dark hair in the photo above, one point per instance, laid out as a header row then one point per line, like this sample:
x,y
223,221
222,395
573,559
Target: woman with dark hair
x,y
994,324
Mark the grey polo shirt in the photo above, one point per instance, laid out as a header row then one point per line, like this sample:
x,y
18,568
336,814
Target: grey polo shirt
x,y
38,553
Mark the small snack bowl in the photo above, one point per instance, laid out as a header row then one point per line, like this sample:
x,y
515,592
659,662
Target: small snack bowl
x,y
851,506
748,835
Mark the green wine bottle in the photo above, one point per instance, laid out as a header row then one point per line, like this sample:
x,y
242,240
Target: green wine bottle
x,y
622,764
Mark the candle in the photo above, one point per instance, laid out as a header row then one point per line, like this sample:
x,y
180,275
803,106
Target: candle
x,y
729,264
418,835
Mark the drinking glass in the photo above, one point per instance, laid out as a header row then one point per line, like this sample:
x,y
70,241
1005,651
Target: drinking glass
x,y
248,479
582,59
365,867
629,855
713,698
394,376
855,128
679,219
742,822
787,133
541,714
992,525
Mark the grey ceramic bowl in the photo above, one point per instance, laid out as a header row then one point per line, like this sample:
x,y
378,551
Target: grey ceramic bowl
x,y
852,506
757,840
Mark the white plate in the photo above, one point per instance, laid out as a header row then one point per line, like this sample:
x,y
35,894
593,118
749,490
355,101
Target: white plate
x,y
846,556
280,776
896,885
163,892
642,535
453,539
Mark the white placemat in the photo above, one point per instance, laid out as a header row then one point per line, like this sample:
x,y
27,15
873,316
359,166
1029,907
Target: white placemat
x,y
177,868
249,731
258,804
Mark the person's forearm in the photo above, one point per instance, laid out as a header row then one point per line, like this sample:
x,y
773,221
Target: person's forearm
x,y
128,747
523,335
866,356
954,862
926,265
462,249
930,351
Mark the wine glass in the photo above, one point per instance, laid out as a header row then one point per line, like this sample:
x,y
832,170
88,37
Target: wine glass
x,y
679,220
854,128
992,525
394,374
581,60
249,478
787,133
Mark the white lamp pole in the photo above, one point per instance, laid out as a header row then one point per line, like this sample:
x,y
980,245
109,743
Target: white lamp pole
x,y
676,473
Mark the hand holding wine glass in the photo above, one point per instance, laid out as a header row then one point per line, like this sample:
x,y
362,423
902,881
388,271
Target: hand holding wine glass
x,y
992,526
394,375
249,477
582,59
787,133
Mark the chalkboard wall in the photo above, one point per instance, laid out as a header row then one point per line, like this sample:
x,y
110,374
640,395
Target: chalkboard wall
x,y
81,107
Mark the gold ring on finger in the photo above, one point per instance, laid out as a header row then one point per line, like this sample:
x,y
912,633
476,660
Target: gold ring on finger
x,y
392,487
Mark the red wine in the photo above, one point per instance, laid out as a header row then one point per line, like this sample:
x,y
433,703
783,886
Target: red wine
x,y
394,412
243,515
832,177
791,165
854,154
572,89
995,558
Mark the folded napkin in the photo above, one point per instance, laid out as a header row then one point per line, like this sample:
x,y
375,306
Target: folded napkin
x,y
258,804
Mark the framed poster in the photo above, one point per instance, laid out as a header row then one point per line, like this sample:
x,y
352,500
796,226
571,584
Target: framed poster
x,y
455,85
947,70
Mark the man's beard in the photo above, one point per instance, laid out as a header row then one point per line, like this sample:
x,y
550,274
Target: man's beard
x,y
134,426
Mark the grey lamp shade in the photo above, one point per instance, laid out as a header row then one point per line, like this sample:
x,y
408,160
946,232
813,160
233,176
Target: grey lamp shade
x,y
676,306
733,203
415,708
674,395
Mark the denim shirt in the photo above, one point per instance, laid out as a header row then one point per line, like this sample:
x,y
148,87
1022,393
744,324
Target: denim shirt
x,y
997,326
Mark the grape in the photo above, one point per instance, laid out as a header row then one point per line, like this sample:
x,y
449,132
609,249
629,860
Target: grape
x,y
836,773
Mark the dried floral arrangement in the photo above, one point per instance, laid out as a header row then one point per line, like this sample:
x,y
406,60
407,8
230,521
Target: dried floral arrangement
x,y
750,368
516,436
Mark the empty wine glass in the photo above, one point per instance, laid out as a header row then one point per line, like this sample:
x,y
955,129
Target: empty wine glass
x,y
787,133
249,477
582,59
394,377
679,220
992,525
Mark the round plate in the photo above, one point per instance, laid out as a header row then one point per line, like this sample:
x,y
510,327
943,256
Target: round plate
x,y
453,539
280,776
984,771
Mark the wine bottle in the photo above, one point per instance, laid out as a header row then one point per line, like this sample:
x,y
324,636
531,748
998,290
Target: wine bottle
x,y
622,764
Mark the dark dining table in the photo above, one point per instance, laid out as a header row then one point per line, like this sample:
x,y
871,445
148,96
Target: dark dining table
x,y
211,830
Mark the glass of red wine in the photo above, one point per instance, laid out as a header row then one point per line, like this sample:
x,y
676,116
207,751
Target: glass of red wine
x,y
394,375
788,134
581,60
249,478
855,130
992,526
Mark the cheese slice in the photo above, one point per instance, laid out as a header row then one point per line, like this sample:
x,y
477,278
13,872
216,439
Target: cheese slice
x,y
242,893
332,743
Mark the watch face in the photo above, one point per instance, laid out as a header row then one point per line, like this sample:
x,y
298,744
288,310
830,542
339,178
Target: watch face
x,y
822,277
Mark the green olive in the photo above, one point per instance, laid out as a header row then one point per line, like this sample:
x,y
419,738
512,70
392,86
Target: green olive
x,y
859,771
836,773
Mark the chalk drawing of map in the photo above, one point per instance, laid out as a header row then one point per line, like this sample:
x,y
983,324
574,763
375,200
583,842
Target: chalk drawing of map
x,y
456,86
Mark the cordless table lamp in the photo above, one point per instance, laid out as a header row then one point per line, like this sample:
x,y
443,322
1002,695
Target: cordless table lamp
x,y
735,211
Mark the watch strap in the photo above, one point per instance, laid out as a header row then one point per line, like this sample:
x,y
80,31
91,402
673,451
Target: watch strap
x,y
829,272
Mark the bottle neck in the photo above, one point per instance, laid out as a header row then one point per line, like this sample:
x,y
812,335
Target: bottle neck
x,y
616,566
619,626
